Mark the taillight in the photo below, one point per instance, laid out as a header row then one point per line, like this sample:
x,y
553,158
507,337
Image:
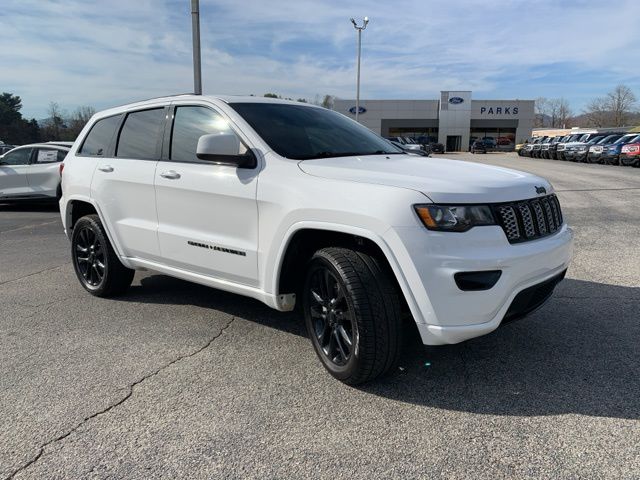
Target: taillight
x,y
61,168
633,148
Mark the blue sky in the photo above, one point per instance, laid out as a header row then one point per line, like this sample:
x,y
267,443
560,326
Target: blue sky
x,y
105,53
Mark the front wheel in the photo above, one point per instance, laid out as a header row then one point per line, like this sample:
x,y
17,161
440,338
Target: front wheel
x,y
96,264
352,314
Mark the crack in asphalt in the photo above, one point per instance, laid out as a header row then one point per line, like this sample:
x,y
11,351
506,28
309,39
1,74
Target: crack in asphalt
x,y
34,273
110,407
26,227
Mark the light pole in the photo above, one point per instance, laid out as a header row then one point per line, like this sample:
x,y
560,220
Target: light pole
x,y
195,36
359,29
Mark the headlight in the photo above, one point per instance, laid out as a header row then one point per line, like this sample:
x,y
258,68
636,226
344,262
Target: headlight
x,y
454,218
582,149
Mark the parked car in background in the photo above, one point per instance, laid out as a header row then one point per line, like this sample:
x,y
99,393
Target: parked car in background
x,y
32,172
630,154
611,153
577,151
553,148
569,140
537,146
527,150
4,148
546,145
572,148
409,148
432,142
596,149
401,142
479,146
490,142
519,148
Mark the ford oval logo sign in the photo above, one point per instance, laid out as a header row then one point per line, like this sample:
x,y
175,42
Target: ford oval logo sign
x,y
361,110
456,100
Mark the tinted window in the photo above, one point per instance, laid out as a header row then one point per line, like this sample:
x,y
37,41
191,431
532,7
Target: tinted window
x,y
189,125
303,132
140,134
17,157
99,138
625,139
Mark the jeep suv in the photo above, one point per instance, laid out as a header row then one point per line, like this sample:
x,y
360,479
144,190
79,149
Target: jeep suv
x,y
299,206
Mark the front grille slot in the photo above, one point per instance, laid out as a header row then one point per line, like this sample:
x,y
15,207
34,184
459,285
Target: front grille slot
x,y
529,219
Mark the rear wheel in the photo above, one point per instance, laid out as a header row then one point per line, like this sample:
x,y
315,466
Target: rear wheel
x,y
352,314
96,264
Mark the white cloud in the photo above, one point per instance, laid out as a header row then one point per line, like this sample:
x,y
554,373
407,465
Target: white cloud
x,y
76,52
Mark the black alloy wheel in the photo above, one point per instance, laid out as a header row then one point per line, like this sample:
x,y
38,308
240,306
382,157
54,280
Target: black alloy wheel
x,y
333,326
95,262
89,257
352,313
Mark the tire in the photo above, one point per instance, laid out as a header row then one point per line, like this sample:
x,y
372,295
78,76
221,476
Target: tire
x,y
349,296
90,239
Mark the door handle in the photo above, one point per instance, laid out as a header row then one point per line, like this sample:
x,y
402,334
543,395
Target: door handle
x,y
105,168
170,174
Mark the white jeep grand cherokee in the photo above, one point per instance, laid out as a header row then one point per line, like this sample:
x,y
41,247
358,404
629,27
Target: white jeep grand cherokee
x,y
296,205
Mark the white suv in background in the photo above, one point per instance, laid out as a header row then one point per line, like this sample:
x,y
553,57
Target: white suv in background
x,y
32,172
299,206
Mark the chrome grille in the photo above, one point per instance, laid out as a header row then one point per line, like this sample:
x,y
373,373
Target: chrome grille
x,y
529,219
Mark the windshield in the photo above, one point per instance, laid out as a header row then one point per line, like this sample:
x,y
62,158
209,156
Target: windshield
x,y
607,140
302,132
595,139
625,139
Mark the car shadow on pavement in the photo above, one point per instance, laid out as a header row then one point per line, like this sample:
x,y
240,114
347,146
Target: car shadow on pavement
x,y
578,354
30,207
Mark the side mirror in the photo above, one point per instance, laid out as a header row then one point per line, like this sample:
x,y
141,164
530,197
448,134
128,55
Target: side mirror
x,y
224,149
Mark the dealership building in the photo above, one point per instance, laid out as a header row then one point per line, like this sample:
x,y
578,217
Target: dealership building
x,y
455,120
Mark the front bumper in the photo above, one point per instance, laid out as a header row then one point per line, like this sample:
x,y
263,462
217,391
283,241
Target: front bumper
x,y
609,158
575,155
445,314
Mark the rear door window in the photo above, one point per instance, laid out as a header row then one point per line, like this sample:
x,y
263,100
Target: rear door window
x,y
99,139
141,135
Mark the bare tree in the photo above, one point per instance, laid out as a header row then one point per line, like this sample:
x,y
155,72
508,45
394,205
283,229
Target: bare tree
x,y
564,112
553,105
598,113
620,103
55,124
541,107
78,120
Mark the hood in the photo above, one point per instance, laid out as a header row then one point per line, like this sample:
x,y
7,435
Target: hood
x,y
441,179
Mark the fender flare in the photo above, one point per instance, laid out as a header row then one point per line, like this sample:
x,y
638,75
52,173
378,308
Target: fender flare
x,y
112,238
351,230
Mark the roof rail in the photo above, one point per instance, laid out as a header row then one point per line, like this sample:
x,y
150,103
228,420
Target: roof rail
x,y
152,98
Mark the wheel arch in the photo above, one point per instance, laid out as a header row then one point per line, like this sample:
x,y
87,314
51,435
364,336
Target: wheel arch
x,y
302,240
76,208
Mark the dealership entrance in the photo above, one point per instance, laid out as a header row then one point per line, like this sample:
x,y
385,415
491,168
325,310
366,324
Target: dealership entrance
x,y
454,143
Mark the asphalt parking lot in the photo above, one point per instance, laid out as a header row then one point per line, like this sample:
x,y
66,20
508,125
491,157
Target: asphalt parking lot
x,y
176,380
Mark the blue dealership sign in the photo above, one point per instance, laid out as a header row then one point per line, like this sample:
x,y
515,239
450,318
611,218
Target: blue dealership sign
x,y
361,110
456,100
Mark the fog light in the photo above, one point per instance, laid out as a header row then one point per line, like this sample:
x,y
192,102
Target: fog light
x,y
477,281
